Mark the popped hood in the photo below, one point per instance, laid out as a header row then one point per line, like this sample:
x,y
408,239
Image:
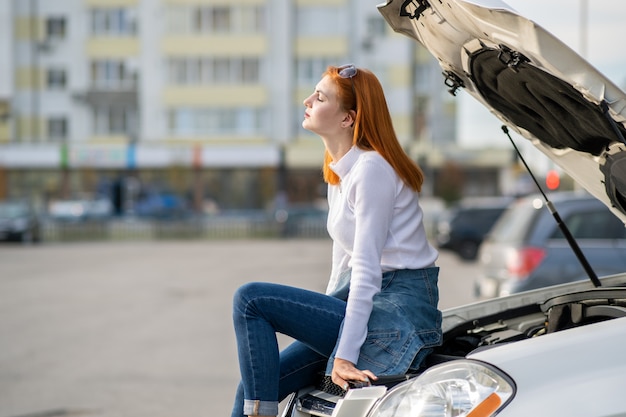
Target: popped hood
x,y
531,81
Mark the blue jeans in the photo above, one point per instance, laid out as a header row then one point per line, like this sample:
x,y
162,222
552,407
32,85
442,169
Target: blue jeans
x,y
259,311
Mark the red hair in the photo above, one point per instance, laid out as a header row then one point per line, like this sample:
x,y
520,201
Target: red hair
x,y
373,129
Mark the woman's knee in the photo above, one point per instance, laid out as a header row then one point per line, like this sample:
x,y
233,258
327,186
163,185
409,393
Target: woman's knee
x,y
247,294
243,291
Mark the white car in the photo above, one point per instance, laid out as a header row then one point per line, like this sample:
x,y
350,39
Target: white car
x,y
555,351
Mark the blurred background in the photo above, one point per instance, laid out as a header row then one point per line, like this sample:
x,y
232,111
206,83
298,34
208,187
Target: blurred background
x,y
129,123
142,119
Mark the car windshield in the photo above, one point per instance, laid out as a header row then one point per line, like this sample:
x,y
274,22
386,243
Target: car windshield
x,y
515,221
11,210
478,217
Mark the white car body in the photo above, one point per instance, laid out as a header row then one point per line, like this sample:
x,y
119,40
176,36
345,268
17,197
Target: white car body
x,y
575,372
555,351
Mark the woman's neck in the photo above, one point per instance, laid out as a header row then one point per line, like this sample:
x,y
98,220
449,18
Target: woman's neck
x,y
337,147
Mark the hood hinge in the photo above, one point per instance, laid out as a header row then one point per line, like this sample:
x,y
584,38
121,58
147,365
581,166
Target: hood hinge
x,y
422,5
453,81
511,58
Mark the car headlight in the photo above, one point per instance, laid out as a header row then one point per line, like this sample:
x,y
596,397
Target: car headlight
x,y
460,388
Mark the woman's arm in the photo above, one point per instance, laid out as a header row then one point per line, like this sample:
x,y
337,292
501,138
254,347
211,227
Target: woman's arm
x,y
373,192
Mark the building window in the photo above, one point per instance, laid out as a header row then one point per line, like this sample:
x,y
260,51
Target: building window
x,y
322,21
177,20
209,70
55,28
309,71
221,70
57,128
216,19
56,79
178,74
221,21
113,74
187,121
250,70
114,120
376,26
423,73
252,19
113,22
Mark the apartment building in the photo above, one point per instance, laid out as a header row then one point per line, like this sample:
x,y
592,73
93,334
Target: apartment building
x,y
203,97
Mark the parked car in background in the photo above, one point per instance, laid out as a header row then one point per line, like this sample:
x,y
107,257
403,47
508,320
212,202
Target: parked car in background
x,y
161,205
19,222
80,209
463,227
302,220
526,249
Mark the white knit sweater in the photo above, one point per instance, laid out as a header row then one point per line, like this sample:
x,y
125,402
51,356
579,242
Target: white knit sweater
x,y
376,225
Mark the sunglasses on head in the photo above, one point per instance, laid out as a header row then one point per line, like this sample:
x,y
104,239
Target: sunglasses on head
x,y
348,71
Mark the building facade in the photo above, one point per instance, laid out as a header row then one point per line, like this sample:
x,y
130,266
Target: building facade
x,y
202,97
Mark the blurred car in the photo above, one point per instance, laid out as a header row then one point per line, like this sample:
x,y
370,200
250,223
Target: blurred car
x,y
552,351
161,205
463,227
19,222
302,221
77,210
527,250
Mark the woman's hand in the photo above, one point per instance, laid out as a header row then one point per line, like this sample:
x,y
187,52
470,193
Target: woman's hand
x,y
344,371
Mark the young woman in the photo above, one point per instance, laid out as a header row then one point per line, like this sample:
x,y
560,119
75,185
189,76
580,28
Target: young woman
x,y
379,315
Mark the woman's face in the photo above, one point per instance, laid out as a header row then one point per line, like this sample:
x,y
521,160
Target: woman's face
x,y
324,114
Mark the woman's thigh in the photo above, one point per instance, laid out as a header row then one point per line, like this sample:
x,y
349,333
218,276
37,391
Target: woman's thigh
x,y
310,317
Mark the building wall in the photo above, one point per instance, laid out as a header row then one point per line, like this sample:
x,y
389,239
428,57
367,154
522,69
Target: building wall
x,y
6,75
154,84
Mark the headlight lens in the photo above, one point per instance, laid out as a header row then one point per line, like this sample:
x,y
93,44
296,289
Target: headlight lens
x,y
460,388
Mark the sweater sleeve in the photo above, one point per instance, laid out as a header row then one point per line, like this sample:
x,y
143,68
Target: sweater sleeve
x,y
373,198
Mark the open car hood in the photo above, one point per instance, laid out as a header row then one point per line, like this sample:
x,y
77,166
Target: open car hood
x,y
531,81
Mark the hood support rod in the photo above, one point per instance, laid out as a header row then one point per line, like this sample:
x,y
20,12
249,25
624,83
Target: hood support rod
x,y
568,235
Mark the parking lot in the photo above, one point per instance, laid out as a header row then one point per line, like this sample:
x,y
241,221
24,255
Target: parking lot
x,y
143,329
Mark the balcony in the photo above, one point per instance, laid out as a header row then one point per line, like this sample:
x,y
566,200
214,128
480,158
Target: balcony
x,y
98,97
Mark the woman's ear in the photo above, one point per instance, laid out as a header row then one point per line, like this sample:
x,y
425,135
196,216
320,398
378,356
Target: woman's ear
x,y
349,119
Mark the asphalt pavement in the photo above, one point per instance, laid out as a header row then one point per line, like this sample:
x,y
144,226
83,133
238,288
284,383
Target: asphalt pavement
x,y
143,329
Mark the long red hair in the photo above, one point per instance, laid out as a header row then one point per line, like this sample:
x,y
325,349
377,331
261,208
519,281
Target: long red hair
x,y
373,129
